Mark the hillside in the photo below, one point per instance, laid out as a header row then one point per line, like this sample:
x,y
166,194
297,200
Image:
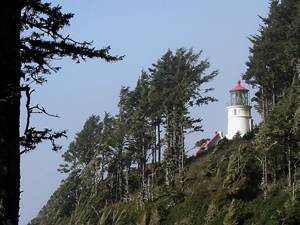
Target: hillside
x,y
222,187
132,168
249,180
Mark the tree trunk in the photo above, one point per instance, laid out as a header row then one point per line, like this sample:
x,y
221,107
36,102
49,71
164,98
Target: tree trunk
x,y
289,165
143,162
154,146
159,142
102,167
120,184
263,109
273,95
295,184
266,176
182,157
9,112
127,184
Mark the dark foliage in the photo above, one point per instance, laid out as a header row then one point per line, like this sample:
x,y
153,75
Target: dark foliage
x,y
31,40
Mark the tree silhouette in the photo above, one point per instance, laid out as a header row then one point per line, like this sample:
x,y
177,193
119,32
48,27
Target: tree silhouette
x,y
31,38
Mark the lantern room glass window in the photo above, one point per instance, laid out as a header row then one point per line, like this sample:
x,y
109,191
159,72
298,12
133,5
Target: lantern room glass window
x,y
239,97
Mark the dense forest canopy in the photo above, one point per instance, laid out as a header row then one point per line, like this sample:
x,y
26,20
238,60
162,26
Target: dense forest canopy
x,y
249,180
152,121
144,145
275,54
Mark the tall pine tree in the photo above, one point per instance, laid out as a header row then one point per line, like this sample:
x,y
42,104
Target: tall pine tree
x,y
31,37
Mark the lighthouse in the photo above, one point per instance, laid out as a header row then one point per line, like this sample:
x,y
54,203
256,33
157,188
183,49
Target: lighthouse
x,y
239,111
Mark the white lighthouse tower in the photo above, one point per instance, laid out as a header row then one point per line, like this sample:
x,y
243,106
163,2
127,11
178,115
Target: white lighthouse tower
x,y
239,111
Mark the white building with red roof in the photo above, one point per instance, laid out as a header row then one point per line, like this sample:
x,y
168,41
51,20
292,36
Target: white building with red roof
x,y
209,143
239,111
239,118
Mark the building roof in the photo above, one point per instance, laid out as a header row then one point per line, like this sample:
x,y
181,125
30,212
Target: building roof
x,y
239,87
208,143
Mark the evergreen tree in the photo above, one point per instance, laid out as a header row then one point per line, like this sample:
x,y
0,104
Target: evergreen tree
x,y
277,140
273,56
179,79
9,111
83,149
118,155
26,58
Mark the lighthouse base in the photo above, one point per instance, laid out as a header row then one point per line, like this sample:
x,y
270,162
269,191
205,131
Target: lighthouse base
x,y
239,120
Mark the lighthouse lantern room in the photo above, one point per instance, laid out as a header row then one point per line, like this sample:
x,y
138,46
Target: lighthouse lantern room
x,y
239,111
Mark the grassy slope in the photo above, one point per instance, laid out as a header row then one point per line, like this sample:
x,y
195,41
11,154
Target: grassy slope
x,y
221,187
213,195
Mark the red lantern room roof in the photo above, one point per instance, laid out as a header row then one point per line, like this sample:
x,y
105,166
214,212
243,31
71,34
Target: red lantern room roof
x,y
239,87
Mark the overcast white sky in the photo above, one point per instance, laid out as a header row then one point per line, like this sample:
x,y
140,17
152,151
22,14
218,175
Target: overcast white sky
x,y
143,31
